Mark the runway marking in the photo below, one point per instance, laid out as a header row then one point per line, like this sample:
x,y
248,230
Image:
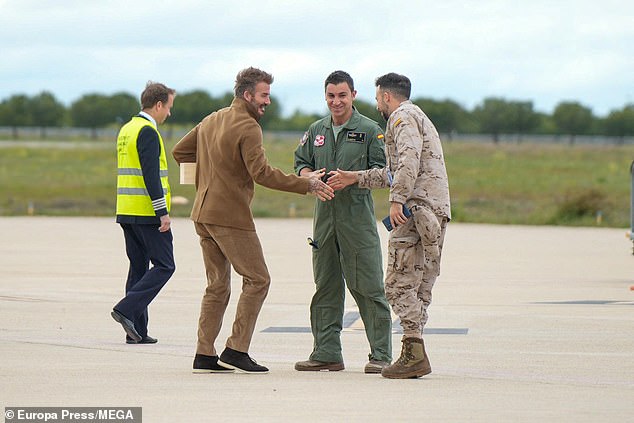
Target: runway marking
x,y
587,302
23,299
352,323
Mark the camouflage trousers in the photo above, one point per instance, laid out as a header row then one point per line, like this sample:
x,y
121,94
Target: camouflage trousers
x,y
414,252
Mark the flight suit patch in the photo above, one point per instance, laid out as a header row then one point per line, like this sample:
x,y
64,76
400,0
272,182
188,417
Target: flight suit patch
x,y
304,138
356,137
319,140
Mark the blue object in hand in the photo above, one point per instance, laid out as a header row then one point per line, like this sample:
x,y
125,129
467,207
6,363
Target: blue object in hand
x,y
388,224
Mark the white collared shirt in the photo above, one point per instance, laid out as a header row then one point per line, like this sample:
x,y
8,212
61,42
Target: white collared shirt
x,y
148,117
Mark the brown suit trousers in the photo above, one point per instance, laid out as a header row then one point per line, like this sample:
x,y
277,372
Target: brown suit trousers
x,y
223,247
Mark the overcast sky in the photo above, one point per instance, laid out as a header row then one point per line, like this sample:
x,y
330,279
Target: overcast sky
x,y
537,50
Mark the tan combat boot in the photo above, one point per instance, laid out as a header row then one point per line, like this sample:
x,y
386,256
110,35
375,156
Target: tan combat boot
x,y
412,363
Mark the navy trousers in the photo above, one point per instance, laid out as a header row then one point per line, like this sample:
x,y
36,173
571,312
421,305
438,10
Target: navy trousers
x,y
144,244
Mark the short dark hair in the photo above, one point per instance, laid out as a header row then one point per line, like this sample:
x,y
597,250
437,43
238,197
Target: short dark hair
x,y
155,92
396,84
337,77
248,78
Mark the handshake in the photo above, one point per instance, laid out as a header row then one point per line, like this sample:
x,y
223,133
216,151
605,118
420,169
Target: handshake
x,y
323,185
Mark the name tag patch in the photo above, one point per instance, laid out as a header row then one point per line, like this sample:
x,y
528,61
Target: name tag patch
x,y
356,137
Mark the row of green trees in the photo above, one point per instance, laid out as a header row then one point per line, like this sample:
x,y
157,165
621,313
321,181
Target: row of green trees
x,y
493,116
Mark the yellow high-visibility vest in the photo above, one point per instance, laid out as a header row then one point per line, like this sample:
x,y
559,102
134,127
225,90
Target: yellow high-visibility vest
x,y
132,196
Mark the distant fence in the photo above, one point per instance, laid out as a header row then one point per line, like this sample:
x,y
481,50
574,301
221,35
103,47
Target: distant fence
x,y
539,139
168,132
502,138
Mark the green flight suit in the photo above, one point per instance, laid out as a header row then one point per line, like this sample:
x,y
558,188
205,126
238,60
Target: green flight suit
x,y
346,246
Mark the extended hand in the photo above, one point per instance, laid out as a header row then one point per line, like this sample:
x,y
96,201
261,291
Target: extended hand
x,y
339,179
316,174
320,189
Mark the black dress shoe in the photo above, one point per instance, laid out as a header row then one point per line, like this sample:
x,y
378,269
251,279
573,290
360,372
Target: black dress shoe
x,y
145,340
208,364
127,325
240,361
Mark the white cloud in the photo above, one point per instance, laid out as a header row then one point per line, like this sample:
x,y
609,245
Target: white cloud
x,y
541,50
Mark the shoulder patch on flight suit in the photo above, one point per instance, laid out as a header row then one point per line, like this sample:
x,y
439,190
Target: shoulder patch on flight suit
x,y
356,137
304,138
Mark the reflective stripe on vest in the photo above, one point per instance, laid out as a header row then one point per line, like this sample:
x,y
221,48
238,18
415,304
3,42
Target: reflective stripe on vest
x,y
138,172
135,191
132,196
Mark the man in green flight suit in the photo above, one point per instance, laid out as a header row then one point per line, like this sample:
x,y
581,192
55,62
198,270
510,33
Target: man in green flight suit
x,y
346,245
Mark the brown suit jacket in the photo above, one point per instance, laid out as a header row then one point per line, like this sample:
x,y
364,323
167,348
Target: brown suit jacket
x,y
227,147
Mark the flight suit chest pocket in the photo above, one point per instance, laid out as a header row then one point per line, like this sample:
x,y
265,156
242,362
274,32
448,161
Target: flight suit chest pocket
x,y
351,156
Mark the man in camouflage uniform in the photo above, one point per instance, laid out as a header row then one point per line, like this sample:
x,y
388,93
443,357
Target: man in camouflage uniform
x,y
417,179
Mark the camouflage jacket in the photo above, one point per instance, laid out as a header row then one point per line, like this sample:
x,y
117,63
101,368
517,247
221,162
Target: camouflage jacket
x,y
415,171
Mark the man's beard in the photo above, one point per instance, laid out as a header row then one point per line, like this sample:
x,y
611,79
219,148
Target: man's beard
x,y
256,107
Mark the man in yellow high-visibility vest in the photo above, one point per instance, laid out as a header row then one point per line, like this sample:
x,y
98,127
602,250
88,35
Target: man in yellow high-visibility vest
x,y
143,205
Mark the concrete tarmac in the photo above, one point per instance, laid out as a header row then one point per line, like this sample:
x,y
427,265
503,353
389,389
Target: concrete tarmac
x,y
527,324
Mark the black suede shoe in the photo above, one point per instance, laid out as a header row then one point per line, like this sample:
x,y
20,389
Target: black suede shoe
x,y
145,340
127,325
240,361
208,364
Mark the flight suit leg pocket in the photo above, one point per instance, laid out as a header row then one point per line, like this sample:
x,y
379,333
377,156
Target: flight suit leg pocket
x,y
364,273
